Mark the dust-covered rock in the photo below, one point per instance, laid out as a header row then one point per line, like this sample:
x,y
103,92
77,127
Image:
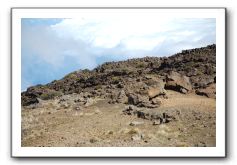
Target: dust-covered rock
x,y
178,82
209,91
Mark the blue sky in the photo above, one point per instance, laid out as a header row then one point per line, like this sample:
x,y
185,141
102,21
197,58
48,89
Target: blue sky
x,y
52,48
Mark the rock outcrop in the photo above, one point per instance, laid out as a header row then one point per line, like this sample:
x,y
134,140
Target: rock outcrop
x,y
136,81
178,82
209,91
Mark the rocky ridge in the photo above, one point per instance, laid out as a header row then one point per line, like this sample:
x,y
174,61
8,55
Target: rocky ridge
x,y
141,82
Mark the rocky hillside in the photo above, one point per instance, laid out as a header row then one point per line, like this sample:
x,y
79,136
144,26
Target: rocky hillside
x,y
141,82
151,101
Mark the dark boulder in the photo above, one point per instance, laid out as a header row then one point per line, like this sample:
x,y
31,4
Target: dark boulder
x,y
209,91
178,82
25,101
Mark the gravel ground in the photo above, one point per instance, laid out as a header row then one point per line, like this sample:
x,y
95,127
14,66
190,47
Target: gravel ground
x,y
50,124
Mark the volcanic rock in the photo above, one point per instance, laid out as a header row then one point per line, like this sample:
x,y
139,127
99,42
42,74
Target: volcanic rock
x,y
141,77
209,91
176,81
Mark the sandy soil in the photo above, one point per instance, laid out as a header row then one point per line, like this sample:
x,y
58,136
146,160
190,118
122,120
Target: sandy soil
x,y
101,124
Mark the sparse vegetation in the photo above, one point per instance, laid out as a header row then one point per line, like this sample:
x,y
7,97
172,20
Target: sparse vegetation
x,y
97,87
141,65
115,80
71,76
50,95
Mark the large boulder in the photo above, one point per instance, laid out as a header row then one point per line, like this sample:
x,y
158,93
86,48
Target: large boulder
x,y
209,91
202,81
153,86
178,82
156,91
28,100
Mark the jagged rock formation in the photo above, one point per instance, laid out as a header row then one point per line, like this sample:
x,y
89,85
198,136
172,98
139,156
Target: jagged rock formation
x,y
137,81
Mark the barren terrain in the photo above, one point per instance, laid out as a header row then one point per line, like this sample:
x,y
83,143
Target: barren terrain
x,y
150,101
103,124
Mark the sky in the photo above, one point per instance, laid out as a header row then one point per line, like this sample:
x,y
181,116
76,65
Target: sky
x,y
52,48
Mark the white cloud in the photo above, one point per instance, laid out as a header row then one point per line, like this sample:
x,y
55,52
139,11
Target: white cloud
x,y
118,36
143,33
108,32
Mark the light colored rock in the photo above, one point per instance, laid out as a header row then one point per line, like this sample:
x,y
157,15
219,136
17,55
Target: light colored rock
x,y
135,123
176,81
77,108
88,114
89,102
156,101
157,122
81,114
184,91
122,98
97,111
136,138
78,114
157,89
